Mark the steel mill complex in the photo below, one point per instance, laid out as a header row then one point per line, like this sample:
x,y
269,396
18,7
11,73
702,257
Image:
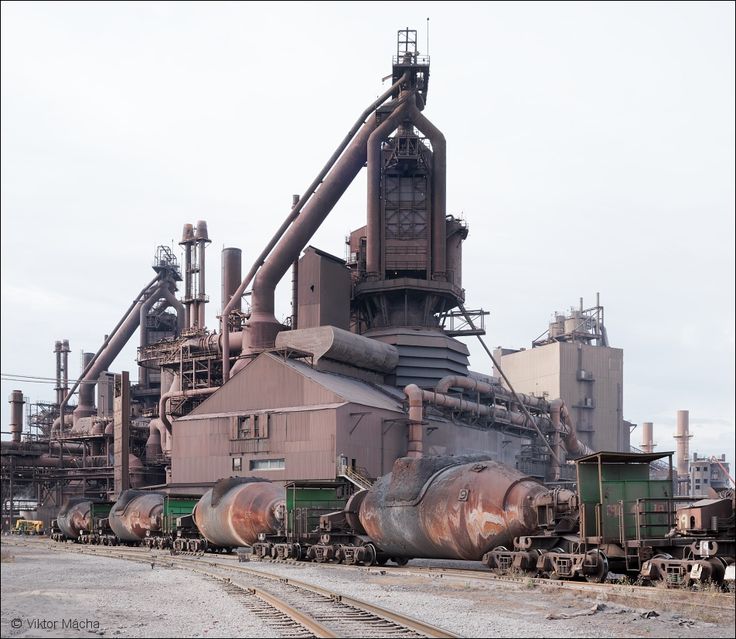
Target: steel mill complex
x,y
354,431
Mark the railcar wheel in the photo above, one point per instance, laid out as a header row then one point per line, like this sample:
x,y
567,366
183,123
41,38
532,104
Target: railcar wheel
x,y
601,571
400,561
370,554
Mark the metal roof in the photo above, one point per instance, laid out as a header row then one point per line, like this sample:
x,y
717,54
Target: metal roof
x,y
351,390
622,458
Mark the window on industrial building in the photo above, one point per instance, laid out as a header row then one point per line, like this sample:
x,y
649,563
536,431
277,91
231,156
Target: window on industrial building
x,y
705,480
253,426
267,464
237,463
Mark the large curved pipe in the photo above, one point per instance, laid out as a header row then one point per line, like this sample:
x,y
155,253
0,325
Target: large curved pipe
x,y
295,211
194,392
168,295
564,425
119,339
417,397
564,431
263,324
468,383
439,191
87,369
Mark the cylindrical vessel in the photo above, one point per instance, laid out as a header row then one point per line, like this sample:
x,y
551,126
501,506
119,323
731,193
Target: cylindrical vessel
x,y
134,513
16,414
647,441
449,507
237,509
232,264
74,516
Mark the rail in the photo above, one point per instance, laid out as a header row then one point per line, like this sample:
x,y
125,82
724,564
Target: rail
x,y
332,614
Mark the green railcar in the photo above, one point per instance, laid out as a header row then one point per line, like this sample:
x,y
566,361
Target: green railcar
x,y
305,504
176,506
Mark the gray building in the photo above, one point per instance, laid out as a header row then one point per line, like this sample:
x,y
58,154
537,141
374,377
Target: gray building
x,y
574,362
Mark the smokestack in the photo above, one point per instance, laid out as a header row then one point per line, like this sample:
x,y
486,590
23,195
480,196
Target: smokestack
x,y
682,437
187,241
65,350
58,388
232,264
86,406
16,414
647,441
202,241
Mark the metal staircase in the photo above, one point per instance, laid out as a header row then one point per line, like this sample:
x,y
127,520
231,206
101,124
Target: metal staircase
x,y
354,477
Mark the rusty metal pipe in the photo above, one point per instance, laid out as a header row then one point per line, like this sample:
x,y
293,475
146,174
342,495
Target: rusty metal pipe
x,y
439,191
263,324
168,295
194,392
416,417
562,421
232,260
417,397
468,383
109,338
292,216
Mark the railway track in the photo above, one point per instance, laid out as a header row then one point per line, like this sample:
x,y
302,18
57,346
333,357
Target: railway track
x,y
293,608
646,597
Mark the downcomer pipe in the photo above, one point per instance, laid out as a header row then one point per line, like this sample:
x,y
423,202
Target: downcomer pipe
x,y
86,370
263,323
118,340
292,216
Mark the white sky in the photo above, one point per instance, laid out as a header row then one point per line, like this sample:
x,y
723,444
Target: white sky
x,y
590,148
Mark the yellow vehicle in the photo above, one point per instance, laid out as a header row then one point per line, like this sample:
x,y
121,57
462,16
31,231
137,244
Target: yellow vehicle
x,y
28,527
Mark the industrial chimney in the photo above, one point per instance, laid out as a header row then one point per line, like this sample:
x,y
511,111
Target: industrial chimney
x,y
682,437
647,441
16,415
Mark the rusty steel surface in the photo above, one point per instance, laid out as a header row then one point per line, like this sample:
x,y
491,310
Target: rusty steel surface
x,y
449,507
237,509
136,512
74,516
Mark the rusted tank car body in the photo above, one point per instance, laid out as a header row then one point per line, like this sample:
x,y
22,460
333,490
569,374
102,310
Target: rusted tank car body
x,y
237,509
449,507
74,516
134,513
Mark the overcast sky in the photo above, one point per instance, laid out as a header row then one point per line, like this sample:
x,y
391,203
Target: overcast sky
x,y
590,148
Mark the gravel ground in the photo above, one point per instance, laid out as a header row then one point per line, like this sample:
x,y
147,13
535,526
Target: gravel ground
x,y
142,602
115,598
482,609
